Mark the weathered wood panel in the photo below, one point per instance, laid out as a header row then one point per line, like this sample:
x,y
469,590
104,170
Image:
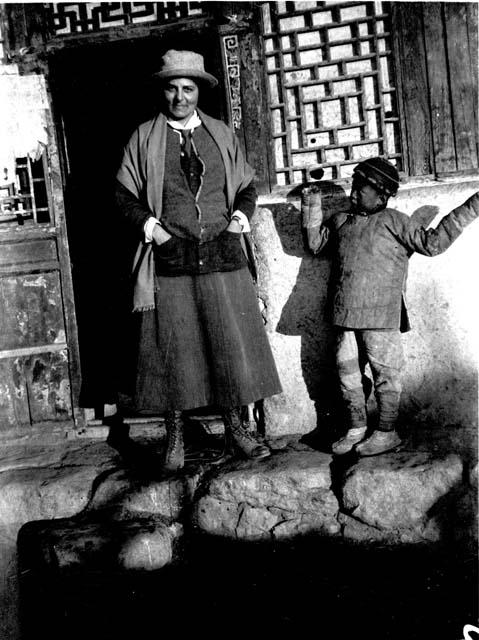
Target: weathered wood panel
x,y
409,31
34,389
31,311
58,207
255,117
28,251
463,83
242,20
48,383
439,90
472,39
472,10
14,410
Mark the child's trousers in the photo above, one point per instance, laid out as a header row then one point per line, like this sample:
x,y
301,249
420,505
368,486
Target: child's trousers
x,y
382,349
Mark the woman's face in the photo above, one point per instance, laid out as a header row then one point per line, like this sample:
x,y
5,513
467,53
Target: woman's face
x,y
181,98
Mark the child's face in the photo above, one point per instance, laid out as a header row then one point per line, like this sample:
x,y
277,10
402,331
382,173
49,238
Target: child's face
x,y
365,198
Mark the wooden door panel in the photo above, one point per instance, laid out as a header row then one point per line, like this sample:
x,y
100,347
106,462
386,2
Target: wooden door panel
x,y
31,313
48,385
34,389
14,409
20,252
39,364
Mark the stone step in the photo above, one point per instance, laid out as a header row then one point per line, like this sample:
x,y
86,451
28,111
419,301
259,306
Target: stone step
x,y
282,496
95,542
402,497
91,508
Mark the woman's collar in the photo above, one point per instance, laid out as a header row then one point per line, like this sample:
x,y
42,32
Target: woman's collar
x,y
192,123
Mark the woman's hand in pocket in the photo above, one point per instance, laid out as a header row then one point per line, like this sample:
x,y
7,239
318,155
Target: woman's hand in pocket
x,y
234,226
160,235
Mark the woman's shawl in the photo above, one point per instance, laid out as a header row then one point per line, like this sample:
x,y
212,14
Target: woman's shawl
x,y
142,173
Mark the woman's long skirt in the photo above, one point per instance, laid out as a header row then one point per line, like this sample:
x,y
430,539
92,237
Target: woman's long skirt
x,y
204,344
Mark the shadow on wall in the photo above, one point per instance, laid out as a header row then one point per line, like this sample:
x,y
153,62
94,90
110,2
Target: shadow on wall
x,y
305,312
439,403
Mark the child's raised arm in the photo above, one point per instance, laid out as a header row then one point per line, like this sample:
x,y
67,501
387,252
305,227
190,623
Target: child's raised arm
x,y
432,242
312,219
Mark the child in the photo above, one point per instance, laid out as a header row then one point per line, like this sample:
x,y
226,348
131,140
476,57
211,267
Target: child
x,y
371,252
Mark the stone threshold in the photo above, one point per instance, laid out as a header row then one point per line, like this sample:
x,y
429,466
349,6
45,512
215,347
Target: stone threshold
x,y
147,426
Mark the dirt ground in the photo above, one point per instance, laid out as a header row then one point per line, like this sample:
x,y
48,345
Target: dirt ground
x,y
312,588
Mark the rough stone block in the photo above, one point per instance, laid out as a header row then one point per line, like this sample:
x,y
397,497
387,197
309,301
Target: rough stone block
x,y
474,476
285,495
399,490
40,482
356,531
130,496
463,521
99,543
8,582
35,494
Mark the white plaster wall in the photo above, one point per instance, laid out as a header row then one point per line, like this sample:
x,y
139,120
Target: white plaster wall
x,y
440,376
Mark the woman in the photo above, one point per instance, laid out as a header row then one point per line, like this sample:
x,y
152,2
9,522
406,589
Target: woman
x,y
187,192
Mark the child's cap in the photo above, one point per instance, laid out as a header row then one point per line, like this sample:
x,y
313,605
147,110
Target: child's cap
x,y
380,173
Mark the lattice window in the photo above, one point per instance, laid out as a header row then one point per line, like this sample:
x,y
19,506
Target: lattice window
x,y
24,197
331,86
73,18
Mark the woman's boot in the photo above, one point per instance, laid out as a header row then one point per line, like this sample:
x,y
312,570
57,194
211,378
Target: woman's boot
x,y
238,439
175,454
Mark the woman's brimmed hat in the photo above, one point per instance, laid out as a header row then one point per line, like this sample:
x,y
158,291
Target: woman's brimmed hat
x,y
184,64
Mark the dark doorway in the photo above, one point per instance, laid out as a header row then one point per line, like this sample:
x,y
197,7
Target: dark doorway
x,y
101,92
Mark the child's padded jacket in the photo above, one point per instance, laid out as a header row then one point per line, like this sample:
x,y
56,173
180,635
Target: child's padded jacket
x,y
370,261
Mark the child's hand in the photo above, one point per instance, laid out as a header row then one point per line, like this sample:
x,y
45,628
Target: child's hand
x,y
311,209
425,215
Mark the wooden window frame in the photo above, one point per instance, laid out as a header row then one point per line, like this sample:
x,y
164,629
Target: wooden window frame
x,y
436,48
332,97
427,79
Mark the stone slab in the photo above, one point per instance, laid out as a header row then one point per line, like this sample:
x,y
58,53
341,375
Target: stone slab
x,y
285,495
128,495
63,454
44,493
399,490
40,482
354,530
98,543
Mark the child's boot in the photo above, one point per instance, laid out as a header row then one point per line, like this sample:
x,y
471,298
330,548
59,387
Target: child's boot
x,y
378,442
355,418
385,438
347,442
